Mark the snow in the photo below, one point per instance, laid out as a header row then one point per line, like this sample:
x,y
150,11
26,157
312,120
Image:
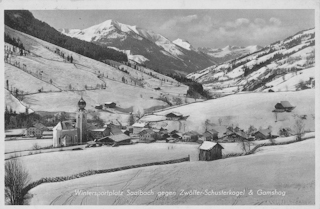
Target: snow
x,y
182,43
287,175
291,80
14,104
249,109
25,144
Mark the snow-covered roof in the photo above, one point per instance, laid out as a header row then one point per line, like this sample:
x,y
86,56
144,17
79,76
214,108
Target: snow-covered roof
x,y
208,145
108,103
119,137
139,125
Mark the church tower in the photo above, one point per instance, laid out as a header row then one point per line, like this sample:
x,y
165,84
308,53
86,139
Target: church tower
x,y
81,123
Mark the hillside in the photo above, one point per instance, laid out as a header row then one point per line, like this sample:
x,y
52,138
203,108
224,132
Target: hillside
x,y
46,81
24,21
259,70
248,109
228,53
143,46
286,168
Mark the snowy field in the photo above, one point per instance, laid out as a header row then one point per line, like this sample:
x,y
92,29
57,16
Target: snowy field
x,y
288,170
50,164
250,109
25,144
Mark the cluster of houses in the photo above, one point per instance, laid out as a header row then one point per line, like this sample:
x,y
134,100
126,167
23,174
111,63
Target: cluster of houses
x,y
105,105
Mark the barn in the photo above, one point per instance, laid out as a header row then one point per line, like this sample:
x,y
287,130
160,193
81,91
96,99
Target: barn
x,y
284,105
110,104
175,116
120,139
209,151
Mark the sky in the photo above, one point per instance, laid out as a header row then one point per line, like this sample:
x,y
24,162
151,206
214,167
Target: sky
x,y
214,28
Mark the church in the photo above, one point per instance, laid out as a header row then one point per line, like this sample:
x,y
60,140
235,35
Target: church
x,y
65,133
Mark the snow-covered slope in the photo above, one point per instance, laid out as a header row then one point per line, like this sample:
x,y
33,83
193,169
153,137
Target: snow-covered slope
x,y
256,70
51,83
158,51
229,52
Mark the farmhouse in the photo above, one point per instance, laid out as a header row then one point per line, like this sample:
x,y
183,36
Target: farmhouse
x,y
210,151
36,130
110,104
138,127
98,133
210,135
65,134
175,116
98,106
191,136
284,105
147,136
236,136
262,134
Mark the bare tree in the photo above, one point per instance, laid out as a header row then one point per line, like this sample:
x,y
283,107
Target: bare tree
x,y
16,179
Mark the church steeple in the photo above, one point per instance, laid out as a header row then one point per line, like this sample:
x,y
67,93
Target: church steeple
x,y
82,104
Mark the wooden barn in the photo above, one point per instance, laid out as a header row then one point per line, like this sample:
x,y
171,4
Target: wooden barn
x,y
233,136
209,151
110,104
98,106
284,105
210,135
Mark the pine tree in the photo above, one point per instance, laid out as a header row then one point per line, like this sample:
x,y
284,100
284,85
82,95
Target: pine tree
x,y
71,59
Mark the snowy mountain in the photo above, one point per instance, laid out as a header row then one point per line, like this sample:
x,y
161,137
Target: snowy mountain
x,y
229,52
281,66
153,50
184,44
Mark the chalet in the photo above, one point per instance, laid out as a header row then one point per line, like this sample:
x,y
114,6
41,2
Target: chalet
x,y
138,127
120,139
175,116
174,131
65,134
236,136
262,134
209,151
147,136
176,136
284,105
36,130
191,136
210,135
110,104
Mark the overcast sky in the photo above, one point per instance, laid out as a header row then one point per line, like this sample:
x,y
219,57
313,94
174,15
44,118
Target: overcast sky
x,y
202,28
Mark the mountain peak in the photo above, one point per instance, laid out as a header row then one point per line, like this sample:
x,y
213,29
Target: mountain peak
x,y
183,43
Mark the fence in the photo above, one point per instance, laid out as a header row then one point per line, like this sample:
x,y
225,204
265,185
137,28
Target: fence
x,y
93,172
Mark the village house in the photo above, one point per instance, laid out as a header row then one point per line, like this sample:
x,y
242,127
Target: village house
x,y
98,133
98,106
210,135
262,134
233,136
284,105
36,130
147,136
209,151
65,134
191,136
138,127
